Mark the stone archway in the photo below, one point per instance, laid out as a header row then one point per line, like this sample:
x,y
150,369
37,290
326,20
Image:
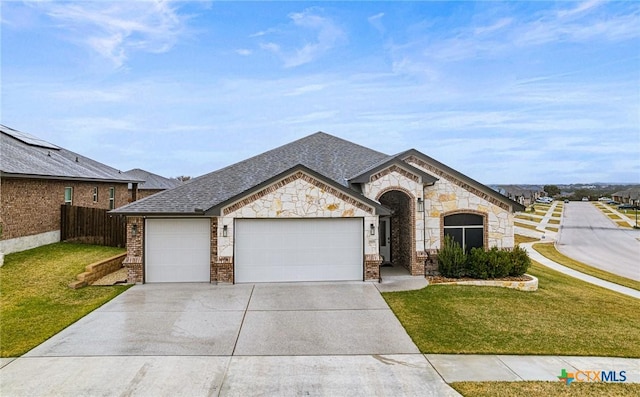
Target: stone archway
x,y
402,226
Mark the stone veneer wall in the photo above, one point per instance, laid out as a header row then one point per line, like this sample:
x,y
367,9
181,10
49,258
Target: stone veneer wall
x,y
408,224
296,196
221,266
450,195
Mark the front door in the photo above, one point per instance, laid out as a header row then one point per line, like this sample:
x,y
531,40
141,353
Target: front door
x,y
384,227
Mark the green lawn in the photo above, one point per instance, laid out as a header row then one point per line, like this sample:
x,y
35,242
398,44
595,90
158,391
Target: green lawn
x,y
524,225
550,251
564,317
547,389
35,302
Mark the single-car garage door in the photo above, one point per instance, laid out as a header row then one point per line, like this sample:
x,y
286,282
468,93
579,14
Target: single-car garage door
x,y
177,250
274,250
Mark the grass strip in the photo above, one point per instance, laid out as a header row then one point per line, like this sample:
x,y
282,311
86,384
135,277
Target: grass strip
x,y
550,252
35,301
554,221
549,389
564,317
524,225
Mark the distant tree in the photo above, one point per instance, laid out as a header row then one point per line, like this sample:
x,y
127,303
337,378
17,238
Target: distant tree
x,y
183,178
552,190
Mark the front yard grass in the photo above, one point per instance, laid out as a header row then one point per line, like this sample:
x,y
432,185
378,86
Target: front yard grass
x,y
524,225
550,252
565,316
35,302
547,389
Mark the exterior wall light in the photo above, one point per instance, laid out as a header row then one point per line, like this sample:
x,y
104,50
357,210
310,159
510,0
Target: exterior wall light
x,y
134,230
372,229
225,231
420,205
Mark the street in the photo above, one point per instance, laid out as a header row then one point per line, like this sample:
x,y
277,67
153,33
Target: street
x,y
589,236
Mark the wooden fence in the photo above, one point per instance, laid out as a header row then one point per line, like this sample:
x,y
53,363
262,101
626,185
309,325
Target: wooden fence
x,y
92,226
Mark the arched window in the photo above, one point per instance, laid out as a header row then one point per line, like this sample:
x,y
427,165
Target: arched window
x,y
466,229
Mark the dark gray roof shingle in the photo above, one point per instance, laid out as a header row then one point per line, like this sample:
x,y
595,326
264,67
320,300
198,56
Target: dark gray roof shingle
x,y
335,158
152,181
23,155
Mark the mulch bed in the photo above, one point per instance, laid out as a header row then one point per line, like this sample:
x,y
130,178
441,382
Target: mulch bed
x,y
441,279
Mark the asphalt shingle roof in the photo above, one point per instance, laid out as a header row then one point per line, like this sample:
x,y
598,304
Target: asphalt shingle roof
x,y
152,181
332,157
335,158
23,155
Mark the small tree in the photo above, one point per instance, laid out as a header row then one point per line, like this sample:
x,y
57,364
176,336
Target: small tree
x,y
451,258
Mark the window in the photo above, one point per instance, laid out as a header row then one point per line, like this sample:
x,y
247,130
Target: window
x,y
112,198
68,195
95,194
466,229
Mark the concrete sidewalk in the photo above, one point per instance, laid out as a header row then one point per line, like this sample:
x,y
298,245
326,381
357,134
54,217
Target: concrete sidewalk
x,y
536,256
509,368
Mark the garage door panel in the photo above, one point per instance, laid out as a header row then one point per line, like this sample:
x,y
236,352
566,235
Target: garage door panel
x,y
177,250
273,250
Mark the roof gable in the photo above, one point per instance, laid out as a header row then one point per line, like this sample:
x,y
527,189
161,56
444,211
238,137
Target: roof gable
x,y
448,173
394,164
298,172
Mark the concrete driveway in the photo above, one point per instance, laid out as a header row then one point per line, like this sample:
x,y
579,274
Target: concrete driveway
x,y
202,339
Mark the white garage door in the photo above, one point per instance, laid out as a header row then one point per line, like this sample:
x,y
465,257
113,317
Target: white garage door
x,y
274,250
177,250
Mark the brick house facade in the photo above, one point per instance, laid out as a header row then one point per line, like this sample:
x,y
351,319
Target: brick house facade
x,y
273,217
37,177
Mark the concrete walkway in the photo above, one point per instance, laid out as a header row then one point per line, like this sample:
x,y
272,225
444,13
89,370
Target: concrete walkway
x,y
536,256
507,368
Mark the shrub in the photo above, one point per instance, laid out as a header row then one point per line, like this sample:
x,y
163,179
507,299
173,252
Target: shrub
x,y
520,261
451,258
478,263
498,263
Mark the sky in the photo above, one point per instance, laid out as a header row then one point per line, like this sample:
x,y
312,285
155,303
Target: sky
x,y
505,92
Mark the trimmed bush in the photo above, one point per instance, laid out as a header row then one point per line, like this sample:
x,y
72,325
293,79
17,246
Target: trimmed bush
x,y
481,264
451,259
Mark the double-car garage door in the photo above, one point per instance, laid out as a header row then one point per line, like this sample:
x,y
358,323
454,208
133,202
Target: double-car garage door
x,y
266,250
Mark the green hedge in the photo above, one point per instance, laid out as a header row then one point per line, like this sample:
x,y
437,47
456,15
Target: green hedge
x,y
494,263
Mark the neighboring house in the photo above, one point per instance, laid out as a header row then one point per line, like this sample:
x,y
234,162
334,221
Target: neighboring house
x,y
319,208
628,196
150,185
523,194
37,177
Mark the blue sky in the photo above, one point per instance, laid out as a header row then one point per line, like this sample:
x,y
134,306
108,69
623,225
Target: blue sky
x,y
504,92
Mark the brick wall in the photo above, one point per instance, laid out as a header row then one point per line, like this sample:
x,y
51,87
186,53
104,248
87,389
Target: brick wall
x,y
32,206
133,261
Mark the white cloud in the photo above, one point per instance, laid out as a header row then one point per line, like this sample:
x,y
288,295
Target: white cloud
x,y
376,22
115,30
243,51
321,34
